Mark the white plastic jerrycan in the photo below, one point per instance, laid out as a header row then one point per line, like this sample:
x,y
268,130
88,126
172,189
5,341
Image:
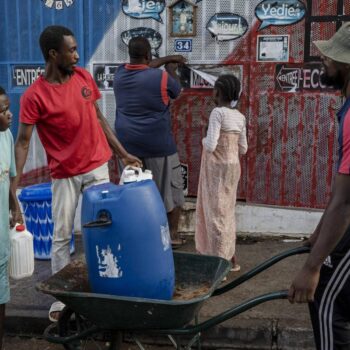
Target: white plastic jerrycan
x,y
134,174
22,253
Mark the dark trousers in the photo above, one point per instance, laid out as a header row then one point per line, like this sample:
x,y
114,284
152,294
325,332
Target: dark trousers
x,y
330,312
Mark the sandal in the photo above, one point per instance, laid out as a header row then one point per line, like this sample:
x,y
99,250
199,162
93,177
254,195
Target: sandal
x,y
56,307
235,268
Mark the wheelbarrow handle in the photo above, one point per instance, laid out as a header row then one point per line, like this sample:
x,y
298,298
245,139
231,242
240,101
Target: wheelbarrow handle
x,y
262,267
226,315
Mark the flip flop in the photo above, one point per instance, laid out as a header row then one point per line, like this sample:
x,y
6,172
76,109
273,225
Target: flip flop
x,y
235,268
57,306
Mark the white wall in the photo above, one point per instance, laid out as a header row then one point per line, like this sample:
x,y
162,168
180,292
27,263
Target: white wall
x,y
262,220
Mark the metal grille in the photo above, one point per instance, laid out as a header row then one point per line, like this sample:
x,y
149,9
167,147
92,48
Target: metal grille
x,y
190,114
107,104
291,136
292,145
205,48
324,8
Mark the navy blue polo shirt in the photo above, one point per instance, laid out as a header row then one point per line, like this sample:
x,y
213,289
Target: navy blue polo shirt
x,y
143,121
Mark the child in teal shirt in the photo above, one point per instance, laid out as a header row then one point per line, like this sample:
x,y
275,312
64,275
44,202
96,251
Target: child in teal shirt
x,y
7,200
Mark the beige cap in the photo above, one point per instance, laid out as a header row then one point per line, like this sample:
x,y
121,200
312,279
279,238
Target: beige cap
x,y
338,46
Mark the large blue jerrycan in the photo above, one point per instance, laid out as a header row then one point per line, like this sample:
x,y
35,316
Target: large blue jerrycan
x,y
127,241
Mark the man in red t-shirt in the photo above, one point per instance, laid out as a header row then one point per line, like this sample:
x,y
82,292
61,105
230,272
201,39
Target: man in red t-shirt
x,y
75,135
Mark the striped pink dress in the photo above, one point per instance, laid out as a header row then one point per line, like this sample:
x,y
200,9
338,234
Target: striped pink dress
x,y
220,171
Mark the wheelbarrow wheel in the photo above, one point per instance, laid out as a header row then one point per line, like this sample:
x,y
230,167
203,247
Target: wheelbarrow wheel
x,y
71,323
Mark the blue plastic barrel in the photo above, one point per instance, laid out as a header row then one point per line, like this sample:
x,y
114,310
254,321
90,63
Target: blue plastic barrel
x,y
127,241
36,202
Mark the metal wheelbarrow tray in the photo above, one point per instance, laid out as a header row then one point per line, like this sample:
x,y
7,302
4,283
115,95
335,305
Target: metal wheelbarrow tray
x,y
197,279
197,276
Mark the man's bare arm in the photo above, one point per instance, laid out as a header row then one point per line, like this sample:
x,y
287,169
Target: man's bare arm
x,y
114,143
25,132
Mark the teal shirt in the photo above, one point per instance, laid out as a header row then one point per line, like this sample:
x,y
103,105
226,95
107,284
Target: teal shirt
x,y
7,170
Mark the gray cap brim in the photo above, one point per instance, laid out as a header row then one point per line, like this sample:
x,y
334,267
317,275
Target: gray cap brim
x,y
335,52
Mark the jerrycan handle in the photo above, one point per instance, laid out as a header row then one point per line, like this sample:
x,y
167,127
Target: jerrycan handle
x,y
137,171
102,221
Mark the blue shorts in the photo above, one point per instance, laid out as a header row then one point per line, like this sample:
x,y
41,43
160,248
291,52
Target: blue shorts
x,y
4,284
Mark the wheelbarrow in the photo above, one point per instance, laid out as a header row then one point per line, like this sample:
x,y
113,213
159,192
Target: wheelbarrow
x,y
198,277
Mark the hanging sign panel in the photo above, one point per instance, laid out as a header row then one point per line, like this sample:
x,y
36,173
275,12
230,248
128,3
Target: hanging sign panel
x,y
205,76
183,45
144,9
25,75
299,77
104,75
154,37
272,48
58,4
279,12
227,26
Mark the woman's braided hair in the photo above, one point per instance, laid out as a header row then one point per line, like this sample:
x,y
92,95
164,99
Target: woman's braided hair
x,y
229,87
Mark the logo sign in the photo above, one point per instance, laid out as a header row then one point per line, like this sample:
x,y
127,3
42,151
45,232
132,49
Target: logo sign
x,y
25,75
154,37
204,76
58,4
183,45
227,26
297,77
273,48
279,12
184,173
104,75
144,9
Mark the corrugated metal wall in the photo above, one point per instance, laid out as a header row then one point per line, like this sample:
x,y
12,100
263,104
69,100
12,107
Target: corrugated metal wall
x,y
20,27
292,135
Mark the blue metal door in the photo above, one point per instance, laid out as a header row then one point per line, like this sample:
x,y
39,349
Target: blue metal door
x,y
20,56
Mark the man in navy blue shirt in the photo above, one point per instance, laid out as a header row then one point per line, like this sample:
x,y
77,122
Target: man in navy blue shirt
x,y
143,121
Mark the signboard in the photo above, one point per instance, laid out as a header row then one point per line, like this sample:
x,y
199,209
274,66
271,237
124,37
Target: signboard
x,y
298,77
154,37
183,45
58,4
272,48
141,9
279,12
104,75
204,76
227,26
25,75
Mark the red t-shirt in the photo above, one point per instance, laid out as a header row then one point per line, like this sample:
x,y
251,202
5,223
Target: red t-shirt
x,y
67,123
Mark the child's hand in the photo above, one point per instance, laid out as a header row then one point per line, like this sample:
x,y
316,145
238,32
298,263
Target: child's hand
x,y
16,218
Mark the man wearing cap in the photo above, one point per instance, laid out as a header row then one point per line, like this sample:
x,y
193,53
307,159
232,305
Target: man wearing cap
x,y
324,280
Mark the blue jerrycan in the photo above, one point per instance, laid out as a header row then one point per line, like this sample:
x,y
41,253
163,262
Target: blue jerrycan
x,y
127,241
